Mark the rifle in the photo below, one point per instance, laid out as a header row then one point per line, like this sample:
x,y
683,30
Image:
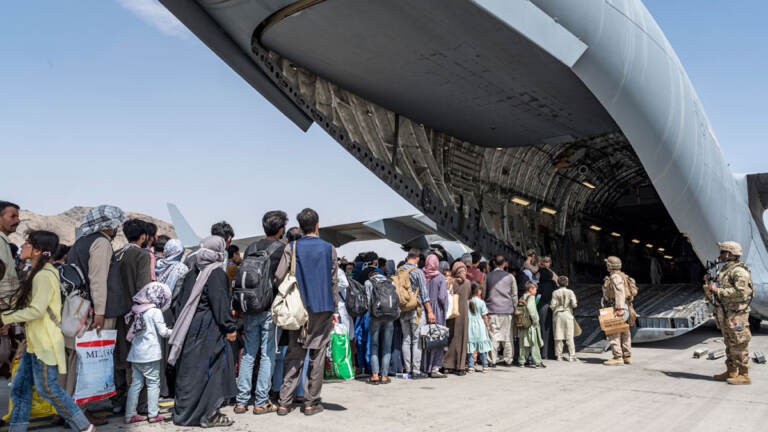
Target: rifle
x,y
713,269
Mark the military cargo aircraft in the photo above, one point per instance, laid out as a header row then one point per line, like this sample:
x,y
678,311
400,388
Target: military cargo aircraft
x,y
569,127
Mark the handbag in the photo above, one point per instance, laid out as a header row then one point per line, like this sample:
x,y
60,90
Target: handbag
x,y
288,311
453,305
434,336
576,328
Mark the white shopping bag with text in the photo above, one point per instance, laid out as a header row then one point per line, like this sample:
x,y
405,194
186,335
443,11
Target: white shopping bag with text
x,y
95,366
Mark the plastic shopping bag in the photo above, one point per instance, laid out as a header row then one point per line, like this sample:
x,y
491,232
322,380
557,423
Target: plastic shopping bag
x,y
341,353
40,408
95,379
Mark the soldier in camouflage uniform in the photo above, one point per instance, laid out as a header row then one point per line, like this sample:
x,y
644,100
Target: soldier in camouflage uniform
x,y
732,293
615,294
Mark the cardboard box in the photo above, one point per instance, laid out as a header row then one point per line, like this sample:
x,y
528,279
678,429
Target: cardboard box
x,y
610,323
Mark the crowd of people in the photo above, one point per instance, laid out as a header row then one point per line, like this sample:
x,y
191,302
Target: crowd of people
x,y
197,326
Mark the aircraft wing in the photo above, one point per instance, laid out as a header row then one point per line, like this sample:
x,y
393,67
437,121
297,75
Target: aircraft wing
x,y
405,230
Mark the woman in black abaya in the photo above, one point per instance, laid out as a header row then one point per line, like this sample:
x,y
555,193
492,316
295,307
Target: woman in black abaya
x,y
199,346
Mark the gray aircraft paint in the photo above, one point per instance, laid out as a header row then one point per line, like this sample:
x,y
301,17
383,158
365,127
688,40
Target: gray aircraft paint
x,y
621,51
665,124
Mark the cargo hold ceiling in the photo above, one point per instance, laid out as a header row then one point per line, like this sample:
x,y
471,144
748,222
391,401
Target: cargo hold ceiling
x,y
456,69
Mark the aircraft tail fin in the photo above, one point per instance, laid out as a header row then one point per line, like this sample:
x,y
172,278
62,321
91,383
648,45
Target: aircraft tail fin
x,y
185,232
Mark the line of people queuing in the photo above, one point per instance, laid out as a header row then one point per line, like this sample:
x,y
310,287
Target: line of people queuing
x,y
185,329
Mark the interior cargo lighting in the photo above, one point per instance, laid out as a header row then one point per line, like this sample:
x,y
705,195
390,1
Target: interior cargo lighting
x,y
649,246
595,227
635,241
499,148
661,249
589,185
548,210
615,234
667,257
522,202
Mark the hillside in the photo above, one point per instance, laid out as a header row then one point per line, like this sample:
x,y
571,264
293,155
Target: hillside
x,y
64,225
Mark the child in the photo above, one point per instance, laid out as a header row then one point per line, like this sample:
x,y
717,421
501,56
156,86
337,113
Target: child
x,y
146,324
563,303
478,340
37,304
530,338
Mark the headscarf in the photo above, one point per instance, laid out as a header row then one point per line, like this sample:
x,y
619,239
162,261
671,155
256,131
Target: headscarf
x,y
431,269
209,257
458,268
153,295
169,268
101,218
444,266
391,268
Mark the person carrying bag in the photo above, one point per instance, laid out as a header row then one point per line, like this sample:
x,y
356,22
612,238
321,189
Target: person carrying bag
x,y
288,311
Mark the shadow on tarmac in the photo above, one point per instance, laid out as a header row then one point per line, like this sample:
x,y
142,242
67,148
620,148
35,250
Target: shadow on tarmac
x,y
333,406
687,375
686,341
590,360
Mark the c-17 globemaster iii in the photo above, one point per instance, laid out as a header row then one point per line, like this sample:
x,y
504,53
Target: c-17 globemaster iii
x,y
569,127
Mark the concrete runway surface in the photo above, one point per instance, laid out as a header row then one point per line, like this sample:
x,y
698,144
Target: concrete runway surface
x,y
664,389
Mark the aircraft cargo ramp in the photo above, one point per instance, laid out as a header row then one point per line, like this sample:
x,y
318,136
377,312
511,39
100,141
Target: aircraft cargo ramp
x,y
664,311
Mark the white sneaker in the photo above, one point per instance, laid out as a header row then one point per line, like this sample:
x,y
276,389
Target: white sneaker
x,y
573,359
560,358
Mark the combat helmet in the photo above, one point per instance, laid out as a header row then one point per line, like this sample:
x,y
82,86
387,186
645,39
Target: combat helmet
x,y
731,246
613,263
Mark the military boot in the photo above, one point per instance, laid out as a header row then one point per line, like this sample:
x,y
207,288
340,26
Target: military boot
x,y
616,361
628,360
742,378
732,372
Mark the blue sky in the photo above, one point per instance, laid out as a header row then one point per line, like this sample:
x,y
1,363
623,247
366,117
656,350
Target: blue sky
x,y
107,101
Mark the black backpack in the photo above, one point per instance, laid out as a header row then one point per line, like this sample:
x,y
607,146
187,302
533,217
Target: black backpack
x,y
252,291
356,301
385,304
71,279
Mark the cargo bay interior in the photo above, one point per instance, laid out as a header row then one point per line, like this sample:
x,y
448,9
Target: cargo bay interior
x,y
505,149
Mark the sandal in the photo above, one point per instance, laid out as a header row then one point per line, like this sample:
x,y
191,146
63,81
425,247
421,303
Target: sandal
x,y
94,419
240,409
135,419
372,381
218,420
314,409
385,380
157,419
268,407
284,411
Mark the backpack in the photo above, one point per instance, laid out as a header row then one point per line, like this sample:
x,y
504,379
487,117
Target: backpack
x,y
409,299
288,311
385,303
521,315
252,286
75,306
119,301
631,292
71,278
357,300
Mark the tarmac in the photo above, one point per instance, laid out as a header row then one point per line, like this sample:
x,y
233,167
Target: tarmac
x,y
665,389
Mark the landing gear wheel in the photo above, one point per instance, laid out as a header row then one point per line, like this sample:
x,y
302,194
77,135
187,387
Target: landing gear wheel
x,y
754,324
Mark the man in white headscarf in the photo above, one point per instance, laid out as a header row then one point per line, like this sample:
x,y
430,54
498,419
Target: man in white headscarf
x,y
92,253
